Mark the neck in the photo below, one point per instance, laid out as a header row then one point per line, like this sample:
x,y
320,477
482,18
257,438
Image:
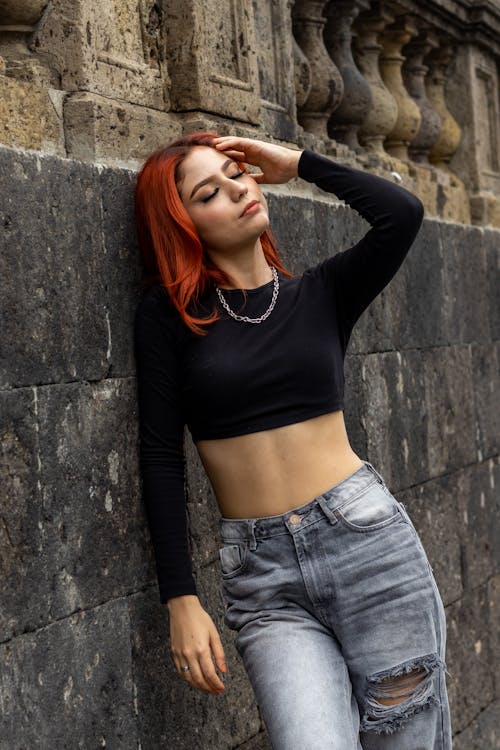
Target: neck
x,y
246,270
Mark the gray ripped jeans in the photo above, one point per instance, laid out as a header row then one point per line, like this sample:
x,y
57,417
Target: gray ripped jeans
x,y
340,624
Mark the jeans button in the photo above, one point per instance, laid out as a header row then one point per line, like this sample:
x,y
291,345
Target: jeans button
x,y
294,518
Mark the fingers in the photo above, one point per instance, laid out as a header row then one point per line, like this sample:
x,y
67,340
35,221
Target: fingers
x,y
210,676
201,673
226,141
243,149
218,651
237,155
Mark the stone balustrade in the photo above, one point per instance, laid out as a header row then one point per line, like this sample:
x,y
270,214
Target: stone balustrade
x,y
400,86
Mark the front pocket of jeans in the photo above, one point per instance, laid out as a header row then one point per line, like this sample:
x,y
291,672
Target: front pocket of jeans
x,y
372,509
233,559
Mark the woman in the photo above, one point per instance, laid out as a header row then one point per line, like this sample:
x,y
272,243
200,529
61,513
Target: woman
x,y
339,622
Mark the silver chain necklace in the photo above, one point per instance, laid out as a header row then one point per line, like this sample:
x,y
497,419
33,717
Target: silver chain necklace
x,y
269,309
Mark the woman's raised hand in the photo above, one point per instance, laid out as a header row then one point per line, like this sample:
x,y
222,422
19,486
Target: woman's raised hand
x,y
277,163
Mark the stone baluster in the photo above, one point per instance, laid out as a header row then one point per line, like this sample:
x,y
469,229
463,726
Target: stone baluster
x,y
301,68
414,72
448,141
344,123
393,38
303,77
381,119
327,87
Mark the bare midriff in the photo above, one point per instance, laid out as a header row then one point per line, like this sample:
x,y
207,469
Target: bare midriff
x,y
270,472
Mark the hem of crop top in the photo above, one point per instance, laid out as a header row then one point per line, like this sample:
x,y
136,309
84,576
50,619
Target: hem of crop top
x,y
280,421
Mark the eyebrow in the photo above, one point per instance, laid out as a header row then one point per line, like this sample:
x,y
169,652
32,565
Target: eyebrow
x,y
209,179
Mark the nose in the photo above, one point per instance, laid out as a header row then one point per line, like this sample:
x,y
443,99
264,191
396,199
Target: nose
x,y
239,189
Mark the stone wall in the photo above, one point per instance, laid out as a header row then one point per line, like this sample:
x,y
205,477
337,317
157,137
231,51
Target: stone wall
x,y
86,92
83,637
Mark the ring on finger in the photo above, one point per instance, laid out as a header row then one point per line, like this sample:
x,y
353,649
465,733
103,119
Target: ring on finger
x,y
185,668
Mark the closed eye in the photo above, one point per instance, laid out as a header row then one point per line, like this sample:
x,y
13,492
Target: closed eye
x,y
233,177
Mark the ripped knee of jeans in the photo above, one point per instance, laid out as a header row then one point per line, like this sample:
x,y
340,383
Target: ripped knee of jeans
x,y
396,694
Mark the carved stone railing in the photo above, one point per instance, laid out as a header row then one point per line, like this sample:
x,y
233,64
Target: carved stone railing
x,y
403,86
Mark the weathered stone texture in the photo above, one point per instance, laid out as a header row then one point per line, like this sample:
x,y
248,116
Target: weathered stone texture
x,y
31,116
224,78
70,684
78,575
114,50
118,133
482,733
471,683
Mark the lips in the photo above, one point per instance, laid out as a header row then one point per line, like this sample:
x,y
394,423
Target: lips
x,y
249,206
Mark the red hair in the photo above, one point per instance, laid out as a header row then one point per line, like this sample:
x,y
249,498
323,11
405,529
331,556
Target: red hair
x,y
171,250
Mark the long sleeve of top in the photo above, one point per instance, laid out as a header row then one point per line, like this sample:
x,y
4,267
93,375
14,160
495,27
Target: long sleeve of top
x,y
161,435
358,274
242,378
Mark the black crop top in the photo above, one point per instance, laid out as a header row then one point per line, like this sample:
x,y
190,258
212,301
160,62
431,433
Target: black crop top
x,y
245,377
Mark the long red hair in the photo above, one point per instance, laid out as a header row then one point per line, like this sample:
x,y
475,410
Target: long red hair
x,y
171,250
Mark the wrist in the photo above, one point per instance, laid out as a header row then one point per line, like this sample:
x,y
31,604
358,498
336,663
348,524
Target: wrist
x,y
186,601
294,163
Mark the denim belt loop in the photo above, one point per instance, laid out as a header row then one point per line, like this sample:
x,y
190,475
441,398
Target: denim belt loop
x,y
251,534
374,470
329,513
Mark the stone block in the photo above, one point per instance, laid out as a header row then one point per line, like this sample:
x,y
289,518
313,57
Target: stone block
x,y
213,67
115,133
300,250
479,512
95,520
116,50
74,524
486,369
434,509
31,116
49,211
395,416
432,391
493,594
70,684
470,680
485,209
416,293
491,243
21,538
465,279
483,732
453,203
121,267
449,404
